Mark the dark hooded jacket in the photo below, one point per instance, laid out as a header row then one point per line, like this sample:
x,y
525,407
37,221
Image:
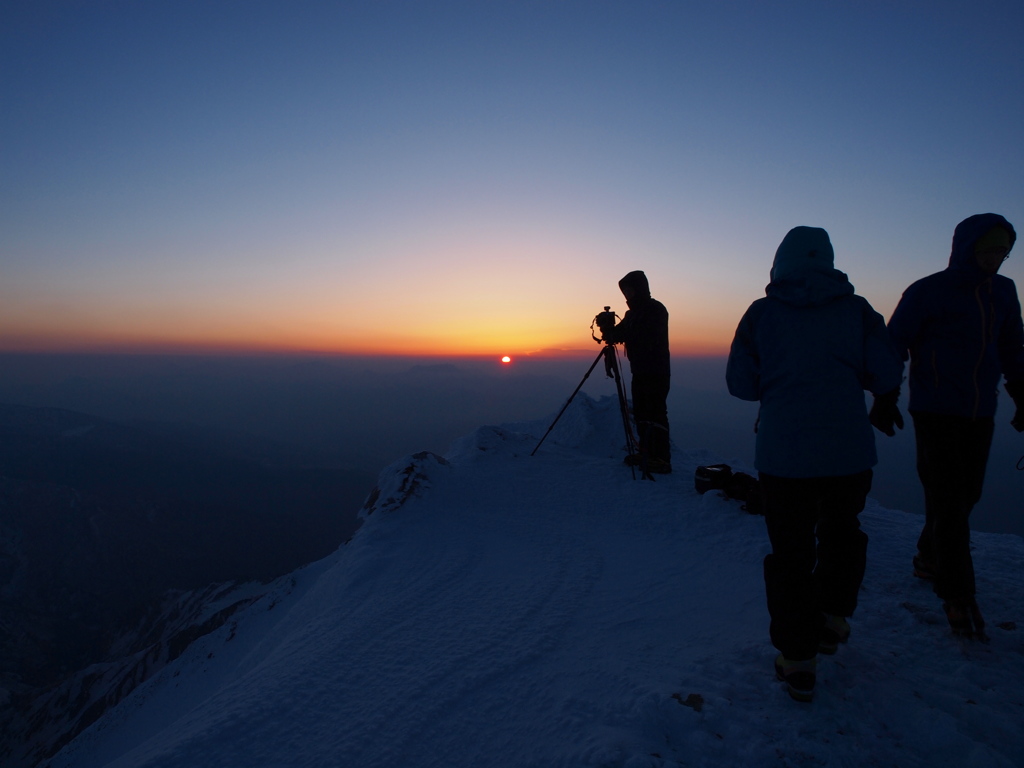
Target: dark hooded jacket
x,y
961,329
807,351
644,330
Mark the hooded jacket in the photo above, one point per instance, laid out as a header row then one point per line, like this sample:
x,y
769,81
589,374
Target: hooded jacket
x,y
961,329
644,330
807,351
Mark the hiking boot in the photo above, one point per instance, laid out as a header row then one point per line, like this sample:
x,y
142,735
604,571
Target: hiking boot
x,y
799,676
965,618
835,631
923,569
659,467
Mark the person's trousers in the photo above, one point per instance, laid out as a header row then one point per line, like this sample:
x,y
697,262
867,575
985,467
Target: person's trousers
x,y
650,412
818,555
952,452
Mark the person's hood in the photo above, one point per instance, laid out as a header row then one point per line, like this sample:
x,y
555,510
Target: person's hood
x,y
637,280
966,234
803,273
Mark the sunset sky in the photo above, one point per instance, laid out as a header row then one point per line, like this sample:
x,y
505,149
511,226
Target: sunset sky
x,y
474,178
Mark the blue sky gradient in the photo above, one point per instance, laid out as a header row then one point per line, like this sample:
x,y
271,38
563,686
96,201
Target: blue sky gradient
x,y
475,177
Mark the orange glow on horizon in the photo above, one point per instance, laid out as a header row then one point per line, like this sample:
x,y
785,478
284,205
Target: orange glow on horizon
x,y
239,347
477,341
445,302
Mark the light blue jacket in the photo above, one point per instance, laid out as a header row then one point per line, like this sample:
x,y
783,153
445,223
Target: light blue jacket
x,y
807,351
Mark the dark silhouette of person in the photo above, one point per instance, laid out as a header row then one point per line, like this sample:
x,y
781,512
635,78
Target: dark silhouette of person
x,y
961,329
644,331
807,351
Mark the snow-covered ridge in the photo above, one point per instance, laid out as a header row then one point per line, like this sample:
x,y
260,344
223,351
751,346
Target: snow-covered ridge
x,y
506,610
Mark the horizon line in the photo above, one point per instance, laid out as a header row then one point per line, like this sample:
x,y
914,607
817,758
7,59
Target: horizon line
x,y
547,354
286,352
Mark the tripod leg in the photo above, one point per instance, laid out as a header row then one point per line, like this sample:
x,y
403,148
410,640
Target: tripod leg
x,y
575,392
631,443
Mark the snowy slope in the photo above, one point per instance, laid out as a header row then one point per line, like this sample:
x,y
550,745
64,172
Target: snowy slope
x,y
498,609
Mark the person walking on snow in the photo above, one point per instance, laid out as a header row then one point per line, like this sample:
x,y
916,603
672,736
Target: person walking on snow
x,y
961,329
807,351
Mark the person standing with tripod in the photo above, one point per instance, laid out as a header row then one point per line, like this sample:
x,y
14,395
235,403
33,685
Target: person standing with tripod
x,y
644,331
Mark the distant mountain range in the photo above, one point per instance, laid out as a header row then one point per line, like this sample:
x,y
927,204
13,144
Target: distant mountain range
x,y
115,537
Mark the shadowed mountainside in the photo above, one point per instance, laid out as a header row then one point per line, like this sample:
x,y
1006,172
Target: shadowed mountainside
x,y
99,520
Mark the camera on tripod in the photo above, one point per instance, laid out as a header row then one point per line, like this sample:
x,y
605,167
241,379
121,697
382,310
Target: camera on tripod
x,y
605,321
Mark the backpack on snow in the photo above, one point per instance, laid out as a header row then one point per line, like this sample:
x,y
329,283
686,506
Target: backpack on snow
x,y
735,485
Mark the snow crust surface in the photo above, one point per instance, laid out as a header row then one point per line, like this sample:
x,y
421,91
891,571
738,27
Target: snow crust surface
x,y
498,609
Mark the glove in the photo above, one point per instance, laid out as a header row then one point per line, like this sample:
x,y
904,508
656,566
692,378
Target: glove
x,y
1015,389
884,413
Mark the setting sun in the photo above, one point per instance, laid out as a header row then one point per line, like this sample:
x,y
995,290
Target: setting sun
x,y
506,359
